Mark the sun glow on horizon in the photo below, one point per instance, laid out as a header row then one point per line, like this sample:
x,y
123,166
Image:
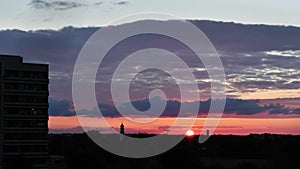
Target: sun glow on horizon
x,y
190,133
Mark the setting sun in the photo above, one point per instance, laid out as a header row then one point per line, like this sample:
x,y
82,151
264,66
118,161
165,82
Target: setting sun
x,y
190,133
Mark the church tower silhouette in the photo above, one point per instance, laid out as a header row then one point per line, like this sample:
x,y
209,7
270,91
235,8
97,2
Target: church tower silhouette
x,y
122,128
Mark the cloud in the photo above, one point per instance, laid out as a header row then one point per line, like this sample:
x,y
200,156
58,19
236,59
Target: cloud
x,y
229,36
184,127
285,111
296,111
60,108
121,3
254,57
235,107
98,3
56,5
281,110
77,129
59,49
61,5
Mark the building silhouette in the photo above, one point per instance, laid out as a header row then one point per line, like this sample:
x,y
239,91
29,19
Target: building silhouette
x,y
122,129
23,113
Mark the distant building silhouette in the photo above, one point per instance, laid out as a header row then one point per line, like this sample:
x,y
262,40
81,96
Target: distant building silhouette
x,y
122,129
207,132
23,113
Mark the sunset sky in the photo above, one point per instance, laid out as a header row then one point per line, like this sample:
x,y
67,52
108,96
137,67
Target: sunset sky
x,y
258,43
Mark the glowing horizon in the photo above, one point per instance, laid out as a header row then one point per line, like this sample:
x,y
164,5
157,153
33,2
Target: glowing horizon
x,y
235,126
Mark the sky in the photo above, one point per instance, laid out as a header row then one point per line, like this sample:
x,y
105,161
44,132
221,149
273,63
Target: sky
x,y
258,43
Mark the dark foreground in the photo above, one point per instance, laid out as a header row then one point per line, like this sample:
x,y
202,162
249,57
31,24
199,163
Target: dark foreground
x,y
77,151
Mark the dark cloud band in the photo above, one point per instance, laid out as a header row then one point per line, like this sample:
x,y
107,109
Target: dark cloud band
x,y
232,107
56,5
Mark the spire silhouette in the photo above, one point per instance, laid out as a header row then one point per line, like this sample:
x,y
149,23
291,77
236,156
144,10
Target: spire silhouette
x,y
122,128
